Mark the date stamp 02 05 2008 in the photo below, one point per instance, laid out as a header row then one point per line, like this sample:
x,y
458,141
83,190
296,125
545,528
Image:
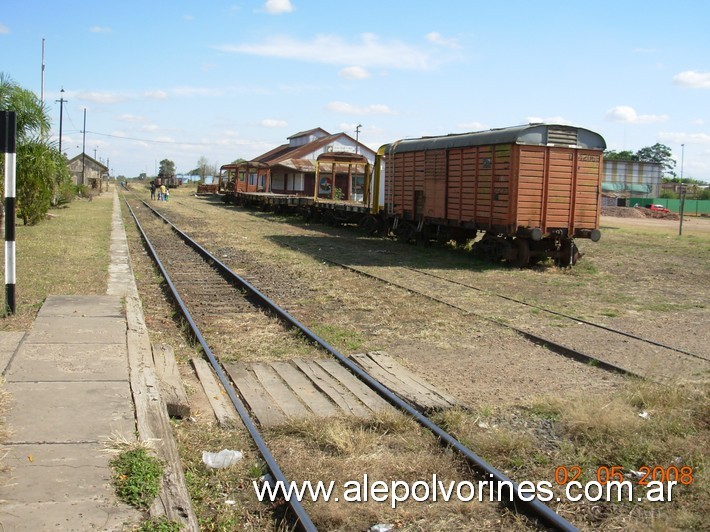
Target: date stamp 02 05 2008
x,y
682,475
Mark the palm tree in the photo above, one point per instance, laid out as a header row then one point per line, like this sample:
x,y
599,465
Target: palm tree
x,y
32,116
37,163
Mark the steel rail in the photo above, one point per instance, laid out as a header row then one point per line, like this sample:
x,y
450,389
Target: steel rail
x,y
561,314
516,497
303,518
556,347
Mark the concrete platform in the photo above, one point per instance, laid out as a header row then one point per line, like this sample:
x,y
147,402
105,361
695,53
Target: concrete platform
x,y
70,393
69,385
74,381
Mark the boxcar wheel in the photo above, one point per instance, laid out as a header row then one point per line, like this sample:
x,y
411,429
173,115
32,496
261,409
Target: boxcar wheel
x,y
405,231
370,225
522,253
569,254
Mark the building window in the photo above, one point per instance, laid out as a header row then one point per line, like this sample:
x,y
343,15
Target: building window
x,y
298,182
278,182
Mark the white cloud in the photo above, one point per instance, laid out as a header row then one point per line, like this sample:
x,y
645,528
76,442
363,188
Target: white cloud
x,y
348,108
693,79
333,50
354,72
156,95
4,29
438,38
99,29
549,120
102,97
272,122
276,7
624,113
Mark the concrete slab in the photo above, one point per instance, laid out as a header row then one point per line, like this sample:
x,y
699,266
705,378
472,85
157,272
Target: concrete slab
x,y
68,517
82,306
56,473
68,362
65,412
88,330
8,345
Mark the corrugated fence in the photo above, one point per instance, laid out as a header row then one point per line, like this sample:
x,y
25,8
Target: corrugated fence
x,y
692,206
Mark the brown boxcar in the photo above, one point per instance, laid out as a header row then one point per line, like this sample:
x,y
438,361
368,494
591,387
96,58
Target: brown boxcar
x,y
532,189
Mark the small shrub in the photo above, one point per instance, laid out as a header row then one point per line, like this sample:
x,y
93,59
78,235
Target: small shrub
x,y
137,477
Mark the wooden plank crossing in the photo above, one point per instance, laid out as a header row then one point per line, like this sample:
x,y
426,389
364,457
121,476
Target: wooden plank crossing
x,y
400,380
281,390
269,414
166,369
222,407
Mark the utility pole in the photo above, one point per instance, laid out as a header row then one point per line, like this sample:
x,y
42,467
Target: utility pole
x,y
83,152
682,190
61,101
42,88
357,137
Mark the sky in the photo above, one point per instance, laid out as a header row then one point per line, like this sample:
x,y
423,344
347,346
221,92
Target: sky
x,y
187,79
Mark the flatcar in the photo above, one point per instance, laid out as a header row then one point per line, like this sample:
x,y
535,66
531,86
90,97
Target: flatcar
x,y
530,189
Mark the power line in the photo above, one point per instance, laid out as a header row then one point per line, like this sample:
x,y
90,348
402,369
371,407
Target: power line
x,y
173,142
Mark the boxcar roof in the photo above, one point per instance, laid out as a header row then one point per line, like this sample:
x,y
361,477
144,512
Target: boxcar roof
x,y
531,134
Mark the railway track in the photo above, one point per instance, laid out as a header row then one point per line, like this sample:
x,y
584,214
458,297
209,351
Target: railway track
x,y
612,349
567,335
204,289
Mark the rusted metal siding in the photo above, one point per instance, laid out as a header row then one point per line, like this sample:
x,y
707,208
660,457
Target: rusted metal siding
x,y
558,188
433,202
587,209
471,184
501,187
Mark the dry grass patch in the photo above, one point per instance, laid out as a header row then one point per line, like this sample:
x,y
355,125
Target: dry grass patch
x,y
388,447
67,254
224,499
603,431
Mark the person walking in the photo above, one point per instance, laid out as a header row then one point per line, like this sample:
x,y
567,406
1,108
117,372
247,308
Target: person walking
x,y
162,192
152,190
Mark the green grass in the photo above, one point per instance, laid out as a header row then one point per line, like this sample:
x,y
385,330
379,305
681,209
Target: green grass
x,y
162,524
339,337
137,477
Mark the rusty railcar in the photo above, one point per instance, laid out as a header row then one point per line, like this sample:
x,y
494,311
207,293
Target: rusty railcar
x,y
531,189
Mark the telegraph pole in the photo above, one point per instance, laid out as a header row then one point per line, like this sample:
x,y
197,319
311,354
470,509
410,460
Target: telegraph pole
x,y
83,152
42,87
357,137
61,101
682,190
